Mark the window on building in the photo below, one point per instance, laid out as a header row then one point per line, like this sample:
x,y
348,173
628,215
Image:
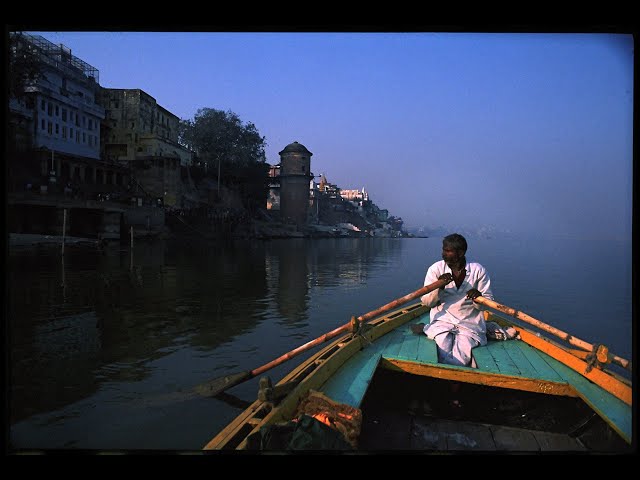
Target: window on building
x,y
77,120
90,124
84,121
84,137
77,136
49,108
64,114
64,132
57,111
71,134
49,128
42,105
43,124
57,129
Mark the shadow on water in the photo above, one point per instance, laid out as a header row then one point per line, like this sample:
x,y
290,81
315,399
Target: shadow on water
x,y
98,319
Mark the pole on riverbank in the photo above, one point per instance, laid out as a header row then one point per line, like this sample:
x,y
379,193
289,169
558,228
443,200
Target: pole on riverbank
x,y
64,282
64,228
131,235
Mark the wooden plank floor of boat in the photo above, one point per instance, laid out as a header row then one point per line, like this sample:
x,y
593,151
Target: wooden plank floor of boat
x,y
399,431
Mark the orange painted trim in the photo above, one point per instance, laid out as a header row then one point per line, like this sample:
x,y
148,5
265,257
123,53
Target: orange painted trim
x,y
466,375
609,383
579,353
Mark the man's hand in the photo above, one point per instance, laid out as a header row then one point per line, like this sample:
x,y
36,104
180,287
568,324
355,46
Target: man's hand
x,y
473,294
445,276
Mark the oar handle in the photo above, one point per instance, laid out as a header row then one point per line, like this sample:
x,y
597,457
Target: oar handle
x,y
347,326
547,328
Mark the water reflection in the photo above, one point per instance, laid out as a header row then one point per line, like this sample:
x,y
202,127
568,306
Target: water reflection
x,y
288,263
97,317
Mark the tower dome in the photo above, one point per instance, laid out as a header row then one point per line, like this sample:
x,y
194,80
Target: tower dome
x,y
295,147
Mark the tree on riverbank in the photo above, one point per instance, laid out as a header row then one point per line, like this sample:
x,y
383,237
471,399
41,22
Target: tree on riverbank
x,y
230,151
23,67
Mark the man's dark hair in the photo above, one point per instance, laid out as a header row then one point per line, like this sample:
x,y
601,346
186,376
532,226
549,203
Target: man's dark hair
x,y
455,240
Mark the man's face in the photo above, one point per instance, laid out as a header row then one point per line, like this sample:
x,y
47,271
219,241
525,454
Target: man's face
x,y
450,255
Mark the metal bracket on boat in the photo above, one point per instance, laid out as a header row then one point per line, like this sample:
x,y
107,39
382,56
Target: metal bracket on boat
x,y
271,394
355,325
598,356
358,328
265,389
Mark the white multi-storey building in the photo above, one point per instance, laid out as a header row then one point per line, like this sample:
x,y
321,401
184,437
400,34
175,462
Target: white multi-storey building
x,y
61,103
55,122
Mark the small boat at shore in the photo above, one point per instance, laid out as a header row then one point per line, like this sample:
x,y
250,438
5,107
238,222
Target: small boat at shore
x,y
379,387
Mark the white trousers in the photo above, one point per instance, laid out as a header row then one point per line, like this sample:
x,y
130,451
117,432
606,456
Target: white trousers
x,y
455,348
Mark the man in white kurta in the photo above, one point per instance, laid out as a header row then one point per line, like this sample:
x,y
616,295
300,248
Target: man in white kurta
x,y
457,322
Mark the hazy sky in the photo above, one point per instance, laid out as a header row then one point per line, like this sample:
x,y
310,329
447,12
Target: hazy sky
x,y
523,132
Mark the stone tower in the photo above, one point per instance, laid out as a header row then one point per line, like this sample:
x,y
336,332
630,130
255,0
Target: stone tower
x,y
295,174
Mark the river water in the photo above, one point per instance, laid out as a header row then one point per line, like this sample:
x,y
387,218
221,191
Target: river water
x,y
105,347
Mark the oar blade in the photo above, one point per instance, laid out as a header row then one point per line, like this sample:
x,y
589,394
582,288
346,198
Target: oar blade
x,y
218,385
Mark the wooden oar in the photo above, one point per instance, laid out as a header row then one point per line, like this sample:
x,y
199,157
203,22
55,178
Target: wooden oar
x,y
548,328
218,385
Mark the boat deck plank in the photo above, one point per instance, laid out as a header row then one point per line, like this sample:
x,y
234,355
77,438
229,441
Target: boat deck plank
x,y
502,359
410,345
485,360
515,353
440,435
427,350
542,369
395,341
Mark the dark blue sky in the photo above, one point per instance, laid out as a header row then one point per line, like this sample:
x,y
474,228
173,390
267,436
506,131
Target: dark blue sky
x,y
520,132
